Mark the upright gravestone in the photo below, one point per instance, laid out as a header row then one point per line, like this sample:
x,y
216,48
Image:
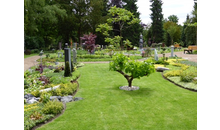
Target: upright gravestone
x,y
60,45
67,55
172,50
74,55
74,45
155,55
141,42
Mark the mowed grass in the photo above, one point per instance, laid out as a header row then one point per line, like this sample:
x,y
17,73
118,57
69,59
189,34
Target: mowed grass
x,y
157,105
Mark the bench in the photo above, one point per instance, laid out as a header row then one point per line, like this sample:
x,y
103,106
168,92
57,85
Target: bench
x,y
190,49
177,46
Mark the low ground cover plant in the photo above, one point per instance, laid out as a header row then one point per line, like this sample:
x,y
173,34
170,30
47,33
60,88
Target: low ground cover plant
x,y
46,109
33,115
182,72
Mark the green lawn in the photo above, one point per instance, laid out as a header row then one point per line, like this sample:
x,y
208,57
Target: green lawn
x,y
157,105
35,54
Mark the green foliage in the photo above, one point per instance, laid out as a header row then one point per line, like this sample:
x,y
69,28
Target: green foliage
x,y
33,115
157,17
173,18
27,52
191,63
45,97
173,73
130,69
147,52
36,93
188,74
67,72
161,61
191,34
119,16
53,107
172,32
158,97
57,70
127,43
65,89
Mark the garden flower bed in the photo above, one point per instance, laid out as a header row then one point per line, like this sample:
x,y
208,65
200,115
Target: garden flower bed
x,y
44,107
183,73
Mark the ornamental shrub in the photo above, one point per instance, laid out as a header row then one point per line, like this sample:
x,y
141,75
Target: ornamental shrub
x,y
53,107
189,74
45,97
173,73
65,89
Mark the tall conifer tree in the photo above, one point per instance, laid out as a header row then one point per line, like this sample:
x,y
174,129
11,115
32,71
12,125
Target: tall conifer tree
x,y
157,20
132,33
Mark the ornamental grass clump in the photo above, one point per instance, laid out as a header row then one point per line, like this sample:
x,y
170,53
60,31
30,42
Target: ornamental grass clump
x,y
53,107
130,69
189,74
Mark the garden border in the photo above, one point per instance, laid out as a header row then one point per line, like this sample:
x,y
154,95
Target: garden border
x,y
178,84
64,105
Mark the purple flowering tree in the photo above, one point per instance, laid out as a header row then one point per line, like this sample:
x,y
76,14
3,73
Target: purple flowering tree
x,y
89,42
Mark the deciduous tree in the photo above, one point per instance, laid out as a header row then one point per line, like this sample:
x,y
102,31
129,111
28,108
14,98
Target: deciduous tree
x,y
120,16
130,69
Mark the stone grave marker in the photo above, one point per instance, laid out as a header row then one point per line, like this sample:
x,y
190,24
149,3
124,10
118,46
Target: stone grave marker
x,y
74,55
155,55
60,45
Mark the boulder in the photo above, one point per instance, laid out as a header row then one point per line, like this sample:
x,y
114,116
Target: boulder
x,y
67,99
31,101
28,96
161,69
195,78
55,97
77,99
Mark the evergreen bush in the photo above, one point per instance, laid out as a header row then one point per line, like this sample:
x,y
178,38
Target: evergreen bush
x,y
67,72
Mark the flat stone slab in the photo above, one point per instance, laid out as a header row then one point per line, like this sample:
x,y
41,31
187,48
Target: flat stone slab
x,y
161,69
66,99
77,99
129,88
49,89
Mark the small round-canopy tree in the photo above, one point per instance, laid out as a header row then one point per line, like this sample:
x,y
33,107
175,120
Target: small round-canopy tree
x,y
130,69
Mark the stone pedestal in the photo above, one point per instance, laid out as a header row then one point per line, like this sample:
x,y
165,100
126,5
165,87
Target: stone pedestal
x,y
172,50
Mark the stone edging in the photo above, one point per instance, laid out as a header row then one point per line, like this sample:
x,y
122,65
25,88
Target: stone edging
x,y
64,108
178,84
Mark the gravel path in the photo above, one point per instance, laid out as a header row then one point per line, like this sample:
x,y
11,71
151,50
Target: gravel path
x,y
31,61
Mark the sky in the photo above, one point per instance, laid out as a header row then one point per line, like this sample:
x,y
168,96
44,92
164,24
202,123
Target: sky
x,y
180,8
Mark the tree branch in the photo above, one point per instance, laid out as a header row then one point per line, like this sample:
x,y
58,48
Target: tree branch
x,y
125,75
116,30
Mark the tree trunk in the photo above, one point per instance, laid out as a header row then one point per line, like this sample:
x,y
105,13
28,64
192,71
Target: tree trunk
x,y
129,78
130,82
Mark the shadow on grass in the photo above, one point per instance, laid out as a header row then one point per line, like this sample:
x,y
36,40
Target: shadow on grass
x,y
141,92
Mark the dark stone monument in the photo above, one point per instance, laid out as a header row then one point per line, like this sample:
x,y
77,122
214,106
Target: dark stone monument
x,y
67,54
